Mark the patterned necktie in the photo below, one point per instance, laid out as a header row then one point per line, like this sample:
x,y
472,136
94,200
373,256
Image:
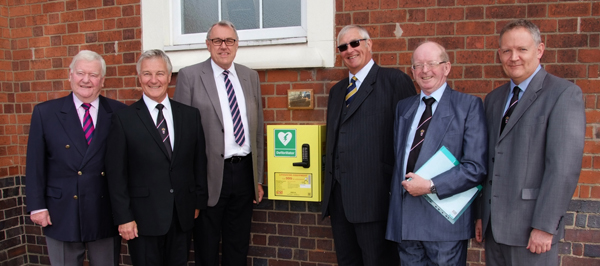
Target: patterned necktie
x,y
351,91
420,135
163,130
88,124
511,107
238,126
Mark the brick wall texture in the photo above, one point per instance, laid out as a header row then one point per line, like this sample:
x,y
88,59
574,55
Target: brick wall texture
x,y
39,37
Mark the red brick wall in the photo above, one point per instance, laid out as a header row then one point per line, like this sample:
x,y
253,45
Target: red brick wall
x,y
39,37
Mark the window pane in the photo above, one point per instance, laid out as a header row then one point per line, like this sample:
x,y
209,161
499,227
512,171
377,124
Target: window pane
x,y
242,13
199,15
281,13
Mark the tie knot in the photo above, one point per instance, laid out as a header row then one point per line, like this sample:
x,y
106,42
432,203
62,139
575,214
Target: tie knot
x,y
86,106
354,78
226,72
428,101
160,106
516,90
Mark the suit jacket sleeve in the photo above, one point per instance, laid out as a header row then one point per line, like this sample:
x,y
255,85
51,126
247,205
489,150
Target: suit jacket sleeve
x,y
260,137
563,155
36,163
116,161
473,161
184,92
200,167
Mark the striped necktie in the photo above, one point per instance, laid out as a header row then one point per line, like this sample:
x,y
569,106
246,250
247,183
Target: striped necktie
x,y
163,130
88,124
238,126
351,91
513,104
420,135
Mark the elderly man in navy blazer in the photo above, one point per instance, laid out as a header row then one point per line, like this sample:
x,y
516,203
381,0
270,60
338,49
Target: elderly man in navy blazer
x,y
66,186
438,117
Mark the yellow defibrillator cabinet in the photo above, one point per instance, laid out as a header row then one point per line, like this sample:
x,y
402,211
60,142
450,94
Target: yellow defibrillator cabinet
x,y
295,162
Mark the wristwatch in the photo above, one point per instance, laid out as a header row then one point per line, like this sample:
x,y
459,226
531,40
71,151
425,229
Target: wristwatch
x,y
432,188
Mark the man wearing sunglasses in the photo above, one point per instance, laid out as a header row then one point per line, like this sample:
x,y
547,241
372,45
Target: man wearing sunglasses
x,y
228,97
360,154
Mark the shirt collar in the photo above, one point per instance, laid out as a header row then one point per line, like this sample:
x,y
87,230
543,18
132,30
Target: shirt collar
x,y
362,74
217,70
437,94
151,104
523,86
78,102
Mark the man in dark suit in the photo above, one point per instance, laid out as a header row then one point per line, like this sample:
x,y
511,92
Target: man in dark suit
x,y
438,117
359,152
156,170
536,128
66,189
228,97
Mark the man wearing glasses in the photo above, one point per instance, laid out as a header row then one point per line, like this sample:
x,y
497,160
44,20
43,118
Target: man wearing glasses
x,y
360,154
228,97
438,117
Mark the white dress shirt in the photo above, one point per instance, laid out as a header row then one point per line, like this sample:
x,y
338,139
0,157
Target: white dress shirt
x,y
167,114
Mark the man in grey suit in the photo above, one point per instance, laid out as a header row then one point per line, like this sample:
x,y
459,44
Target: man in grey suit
x,y
228,97
359,152
536,128
438,117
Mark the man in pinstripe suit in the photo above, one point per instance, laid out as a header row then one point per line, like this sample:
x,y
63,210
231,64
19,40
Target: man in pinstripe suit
x,y
360,153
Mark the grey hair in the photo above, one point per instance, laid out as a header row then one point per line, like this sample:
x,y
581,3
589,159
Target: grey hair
x,y
89,56
224,23
364,34
443,55
522,23
154,53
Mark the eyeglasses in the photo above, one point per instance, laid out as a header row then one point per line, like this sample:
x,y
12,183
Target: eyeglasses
x,y
353,44
428,64
218,41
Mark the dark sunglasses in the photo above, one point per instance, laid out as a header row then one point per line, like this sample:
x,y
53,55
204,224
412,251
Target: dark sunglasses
x,y
353,44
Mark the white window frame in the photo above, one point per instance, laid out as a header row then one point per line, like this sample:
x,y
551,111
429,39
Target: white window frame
x,y
247,37
317,49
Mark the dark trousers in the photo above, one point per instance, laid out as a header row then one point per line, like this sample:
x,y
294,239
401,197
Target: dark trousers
x,y
229,220
166,250
359,244
438,253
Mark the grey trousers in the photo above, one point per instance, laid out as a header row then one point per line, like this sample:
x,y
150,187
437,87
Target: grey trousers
x,y
100,252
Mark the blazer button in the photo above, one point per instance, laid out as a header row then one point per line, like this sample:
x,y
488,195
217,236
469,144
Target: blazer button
x,y
102,174
490,182
222,156
79,173
171,190
75,197
493,160
67,146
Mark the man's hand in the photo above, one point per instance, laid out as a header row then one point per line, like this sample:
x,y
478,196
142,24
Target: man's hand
x,y
261,192
196,213
129,230
479,231
417,185
42,218
539,241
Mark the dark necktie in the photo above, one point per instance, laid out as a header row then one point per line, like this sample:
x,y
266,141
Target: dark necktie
x,y
163,130
88,124
511,107
238,126
415,149
350,91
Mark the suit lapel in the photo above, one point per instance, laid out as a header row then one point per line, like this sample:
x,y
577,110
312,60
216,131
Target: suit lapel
x,y
178,126
144,115
366,87
208,80
497,106
100,131
249,98
440,121
404,127
530,95
336,104
72,126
